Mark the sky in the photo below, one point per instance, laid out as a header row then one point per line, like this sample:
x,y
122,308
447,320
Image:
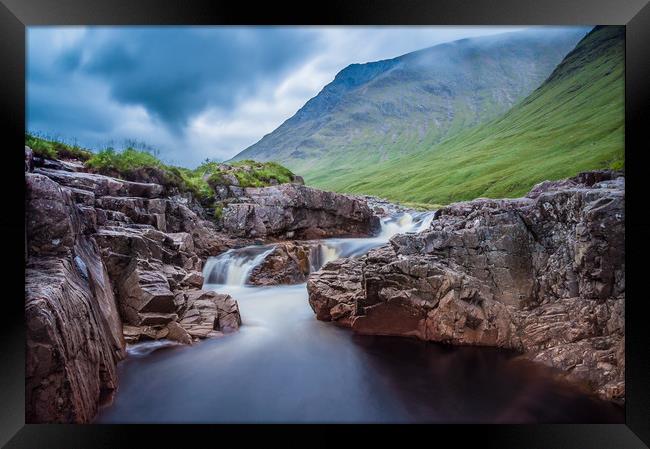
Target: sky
x,y
196,93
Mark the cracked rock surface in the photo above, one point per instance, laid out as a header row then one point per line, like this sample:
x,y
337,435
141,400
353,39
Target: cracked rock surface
x,y
544,275
108,262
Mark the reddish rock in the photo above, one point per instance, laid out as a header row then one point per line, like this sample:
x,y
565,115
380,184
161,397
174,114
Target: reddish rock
x,y
176,332
289,263
74,332
205,311
544,275
106,259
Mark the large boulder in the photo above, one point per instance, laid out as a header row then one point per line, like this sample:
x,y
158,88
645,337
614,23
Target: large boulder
x,y
207,314
294,211
288,263
544,275
144,294
102,185
51,219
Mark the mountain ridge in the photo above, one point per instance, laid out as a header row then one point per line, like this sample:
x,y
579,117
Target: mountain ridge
x,y
382,109
574,121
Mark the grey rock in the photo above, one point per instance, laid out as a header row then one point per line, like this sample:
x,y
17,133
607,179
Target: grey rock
x,y
309,213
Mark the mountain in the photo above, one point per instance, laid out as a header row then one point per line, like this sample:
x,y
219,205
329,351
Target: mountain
x,y
574,121
380,111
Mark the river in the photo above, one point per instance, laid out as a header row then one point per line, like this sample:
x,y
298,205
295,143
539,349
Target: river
x,y
284,366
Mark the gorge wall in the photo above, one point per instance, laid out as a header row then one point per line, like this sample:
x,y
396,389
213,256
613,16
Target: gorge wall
x,y
544,275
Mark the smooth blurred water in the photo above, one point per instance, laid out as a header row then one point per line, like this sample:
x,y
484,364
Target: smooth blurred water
x,y
285,366
234,266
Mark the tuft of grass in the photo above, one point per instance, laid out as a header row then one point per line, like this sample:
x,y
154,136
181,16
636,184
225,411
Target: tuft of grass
x,y
109,160
55,149
218,211
251,173
247,179
126,164
193,182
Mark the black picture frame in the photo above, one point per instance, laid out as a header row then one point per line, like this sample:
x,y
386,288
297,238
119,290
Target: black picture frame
x,y
16,15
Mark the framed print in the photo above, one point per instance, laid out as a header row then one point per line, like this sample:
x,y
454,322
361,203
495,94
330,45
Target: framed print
x,y
382,222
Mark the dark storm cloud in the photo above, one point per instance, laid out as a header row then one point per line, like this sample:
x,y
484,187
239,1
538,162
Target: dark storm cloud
x,y
177,72
195,92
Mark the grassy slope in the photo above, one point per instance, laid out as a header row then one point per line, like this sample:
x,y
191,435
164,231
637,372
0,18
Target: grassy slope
x,y
378,112
573,122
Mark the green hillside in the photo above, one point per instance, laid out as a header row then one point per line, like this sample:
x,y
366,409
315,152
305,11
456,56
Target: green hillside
x,y
573,122
380,111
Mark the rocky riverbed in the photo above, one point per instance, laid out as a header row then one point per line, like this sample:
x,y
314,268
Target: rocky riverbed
x,y
111,262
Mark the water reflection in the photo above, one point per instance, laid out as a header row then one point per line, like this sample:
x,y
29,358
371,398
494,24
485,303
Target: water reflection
x,y
440,383
285,366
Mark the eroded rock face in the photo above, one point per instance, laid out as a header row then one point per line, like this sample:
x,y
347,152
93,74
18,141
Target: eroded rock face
x,y
207,314
74,332
102,185
109,262
544,275
289,263
294,211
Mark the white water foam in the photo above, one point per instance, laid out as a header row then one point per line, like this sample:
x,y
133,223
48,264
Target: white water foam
x,y
332,249
234,266
145,348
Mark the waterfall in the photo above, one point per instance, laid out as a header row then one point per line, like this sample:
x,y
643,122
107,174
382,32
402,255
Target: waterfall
x,y
426,218
234,266
395,225
332,249
404,223
322,253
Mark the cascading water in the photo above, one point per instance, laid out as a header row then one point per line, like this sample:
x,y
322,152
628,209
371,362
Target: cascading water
x,y
401,224
234,266
321,254
332,249
425,220
395,225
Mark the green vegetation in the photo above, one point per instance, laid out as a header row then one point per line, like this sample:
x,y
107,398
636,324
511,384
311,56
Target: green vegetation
x,y
200,181
141,165
218,211
573,122
419,206
137,165
109,160
260,174
55,149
